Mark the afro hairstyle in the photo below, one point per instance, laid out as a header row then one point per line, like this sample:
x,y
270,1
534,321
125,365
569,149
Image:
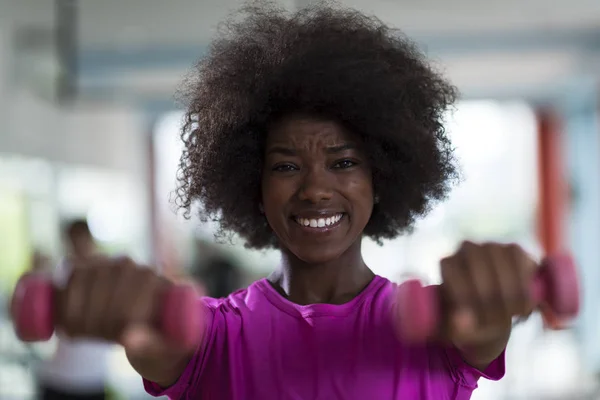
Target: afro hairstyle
x,y
324,61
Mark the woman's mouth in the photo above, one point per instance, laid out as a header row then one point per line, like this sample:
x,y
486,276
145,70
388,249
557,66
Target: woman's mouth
x,y
324,222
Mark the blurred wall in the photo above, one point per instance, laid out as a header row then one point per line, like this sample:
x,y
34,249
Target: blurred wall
x,y
94,134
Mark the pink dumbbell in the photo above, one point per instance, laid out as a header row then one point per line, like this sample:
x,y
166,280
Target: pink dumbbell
x,y
417,308
33,312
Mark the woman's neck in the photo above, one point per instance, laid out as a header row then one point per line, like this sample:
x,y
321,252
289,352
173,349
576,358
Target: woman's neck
x,y
334,282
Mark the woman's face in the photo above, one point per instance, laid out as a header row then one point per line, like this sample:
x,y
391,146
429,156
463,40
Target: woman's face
x,y
317,188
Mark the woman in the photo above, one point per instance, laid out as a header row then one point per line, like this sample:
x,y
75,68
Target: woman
x,y
306,133
78,368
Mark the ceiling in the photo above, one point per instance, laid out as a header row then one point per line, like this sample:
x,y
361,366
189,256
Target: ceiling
x,y
142,48
110,23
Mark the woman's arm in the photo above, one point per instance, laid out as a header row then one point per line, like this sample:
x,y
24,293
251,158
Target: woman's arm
x,y
162,369
480,354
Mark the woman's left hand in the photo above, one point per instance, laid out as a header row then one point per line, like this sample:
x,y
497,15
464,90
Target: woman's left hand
x,y
484,287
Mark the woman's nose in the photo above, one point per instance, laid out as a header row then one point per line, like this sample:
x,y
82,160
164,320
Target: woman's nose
x,y
316,187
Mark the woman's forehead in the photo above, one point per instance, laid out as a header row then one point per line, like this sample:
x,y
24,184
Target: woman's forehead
x,y
308,133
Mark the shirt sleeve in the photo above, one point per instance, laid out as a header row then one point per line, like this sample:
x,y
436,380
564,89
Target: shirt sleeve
x,y
192,373
467,376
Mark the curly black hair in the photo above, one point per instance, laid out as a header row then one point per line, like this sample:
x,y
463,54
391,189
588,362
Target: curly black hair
x,y
323,61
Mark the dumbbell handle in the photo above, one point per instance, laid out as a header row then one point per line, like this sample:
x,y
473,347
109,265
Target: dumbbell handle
x,y
417,310
33,310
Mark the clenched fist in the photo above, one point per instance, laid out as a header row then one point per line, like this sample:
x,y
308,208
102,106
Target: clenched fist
x,y
484,287
116,300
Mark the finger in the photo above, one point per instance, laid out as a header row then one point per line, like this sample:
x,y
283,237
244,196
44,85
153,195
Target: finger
x,y
506,292
456,292
480,271
143,308
107,277
73,304
524,268
99,281
89,278
124,286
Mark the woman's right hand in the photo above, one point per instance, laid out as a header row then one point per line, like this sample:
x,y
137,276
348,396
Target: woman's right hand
x,y
117,300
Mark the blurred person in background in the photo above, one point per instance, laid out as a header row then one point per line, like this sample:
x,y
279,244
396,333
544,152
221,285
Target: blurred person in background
x,y
220,277
79,240
78,368
216,273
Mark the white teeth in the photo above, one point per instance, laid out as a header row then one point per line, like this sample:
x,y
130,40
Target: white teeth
x,y
319,222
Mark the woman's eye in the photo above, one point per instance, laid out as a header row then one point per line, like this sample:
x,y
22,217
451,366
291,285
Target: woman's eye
x,y
344,164
284,168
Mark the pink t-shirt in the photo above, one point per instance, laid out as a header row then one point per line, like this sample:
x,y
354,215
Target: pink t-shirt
x,y
260,346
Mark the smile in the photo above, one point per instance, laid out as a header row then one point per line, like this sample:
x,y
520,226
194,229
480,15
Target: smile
x,y
324,222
